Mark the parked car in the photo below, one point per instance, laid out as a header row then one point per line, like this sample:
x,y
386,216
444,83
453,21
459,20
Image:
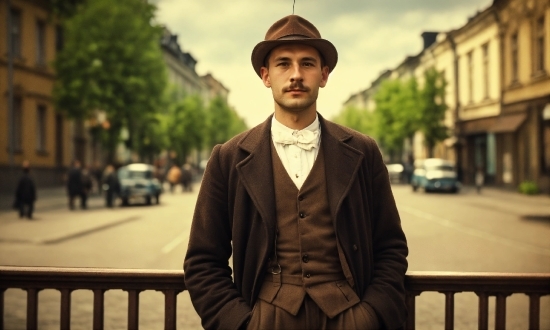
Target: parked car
x,y
396,173
139,181
434,174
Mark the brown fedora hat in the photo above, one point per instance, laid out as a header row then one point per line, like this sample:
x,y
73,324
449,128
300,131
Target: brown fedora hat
x,y
293,29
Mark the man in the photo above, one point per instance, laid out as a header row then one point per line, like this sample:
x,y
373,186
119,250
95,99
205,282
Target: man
x,y
75,187
25,194
302,205
110,184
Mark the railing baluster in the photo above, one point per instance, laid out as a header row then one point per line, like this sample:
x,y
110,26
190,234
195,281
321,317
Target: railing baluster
x,y
534,311
2,308
483,311
32,308
133,309
411,306
500,316
99,309
449,310
170,302
65,309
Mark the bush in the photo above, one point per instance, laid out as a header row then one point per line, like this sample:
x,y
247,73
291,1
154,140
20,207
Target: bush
x,y
528,188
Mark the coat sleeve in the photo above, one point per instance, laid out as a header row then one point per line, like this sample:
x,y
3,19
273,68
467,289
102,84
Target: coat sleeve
x,y
386,291
207,272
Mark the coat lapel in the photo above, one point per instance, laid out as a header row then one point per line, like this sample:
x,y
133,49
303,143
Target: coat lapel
x,y
341,163
256,171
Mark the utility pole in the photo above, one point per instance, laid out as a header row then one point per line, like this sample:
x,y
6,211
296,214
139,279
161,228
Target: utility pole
x,y
11,128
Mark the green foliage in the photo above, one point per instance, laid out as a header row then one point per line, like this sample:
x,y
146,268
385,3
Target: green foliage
x,y
397,112
184,125
222,123
360,120
433,108
528,188
65,8
111,61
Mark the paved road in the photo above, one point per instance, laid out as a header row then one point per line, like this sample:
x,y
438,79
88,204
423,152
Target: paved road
x,y
495,231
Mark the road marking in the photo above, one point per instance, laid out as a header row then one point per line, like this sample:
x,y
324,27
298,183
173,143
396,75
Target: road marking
x,y
174,243
475,232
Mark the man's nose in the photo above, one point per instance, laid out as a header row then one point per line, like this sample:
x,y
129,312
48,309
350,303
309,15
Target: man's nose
x,y
296,74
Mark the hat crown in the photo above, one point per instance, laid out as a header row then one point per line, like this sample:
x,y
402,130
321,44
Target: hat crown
x,y
292,25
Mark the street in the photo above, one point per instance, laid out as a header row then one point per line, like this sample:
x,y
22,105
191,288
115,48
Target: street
x,y
495,231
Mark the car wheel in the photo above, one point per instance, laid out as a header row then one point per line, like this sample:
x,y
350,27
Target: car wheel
x,y
148,200
125,201
157,200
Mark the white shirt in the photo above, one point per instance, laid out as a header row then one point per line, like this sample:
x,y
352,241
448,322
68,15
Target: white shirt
x,y
297,161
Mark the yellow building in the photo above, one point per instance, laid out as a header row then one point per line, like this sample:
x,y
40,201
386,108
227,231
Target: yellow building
x,y
33,131
524,150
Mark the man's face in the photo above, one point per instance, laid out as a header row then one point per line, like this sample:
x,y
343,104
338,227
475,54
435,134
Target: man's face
x,y
294,74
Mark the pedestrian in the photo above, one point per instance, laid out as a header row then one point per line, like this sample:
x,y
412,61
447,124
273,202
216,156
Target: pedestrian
x,y
25,193
479,179
87,185
74,184
186,177
173,177
301,205
110,185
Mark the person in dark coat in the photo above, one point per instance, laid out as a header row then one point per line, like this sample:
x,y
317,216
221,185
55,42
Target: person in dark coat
x,y
301,207
25,194
111,185
75,186
187,177
87,185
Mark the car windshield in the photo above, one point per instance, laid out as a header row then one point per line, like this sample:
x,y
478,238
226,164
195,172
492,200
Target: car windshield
x,y
125,174
440,168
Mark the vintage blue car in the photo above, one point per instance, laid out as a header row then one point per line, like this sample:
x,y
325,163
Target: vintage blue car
x,y
138,181
434,174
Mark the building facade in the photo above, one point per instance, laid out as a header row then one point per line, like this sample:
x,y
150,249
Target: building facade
x,y
30,127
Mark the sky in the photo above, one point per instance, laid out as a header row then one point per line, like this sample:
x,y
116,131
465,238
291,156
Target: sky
x,y
370,35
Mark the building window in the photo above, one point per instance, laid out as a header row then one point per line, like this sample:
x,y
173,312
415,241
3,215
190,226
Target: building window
x,y
40,43
15,33
539,45
16,124
485,49
41,119
514,56
59,38
470,78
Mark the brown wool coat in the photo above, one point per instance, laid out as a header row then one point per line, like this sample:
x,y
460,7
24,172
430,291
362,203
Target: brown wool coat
x,y
235,216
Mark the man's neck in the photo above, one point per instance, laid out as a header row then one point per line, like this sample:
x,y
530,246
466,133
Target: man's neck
x,y
296,120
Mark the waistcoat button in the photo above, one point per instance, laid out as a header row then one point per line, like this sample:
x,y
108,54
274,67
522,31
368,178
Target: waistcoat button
x,y
354,247
302,215
300,198
305,258
308,275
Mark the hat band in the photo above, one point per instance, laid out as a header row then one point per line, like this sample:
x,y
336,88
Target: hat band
x,y
294,37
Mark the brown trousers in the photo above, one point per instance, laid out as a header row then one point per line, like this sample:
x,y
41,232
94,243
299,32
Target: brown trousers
x,y
268,316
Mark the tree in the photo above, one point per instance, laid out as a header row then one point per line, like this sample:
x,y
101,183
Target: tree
x,y
111,61
397,114
185,126
360,120
222,123
433,109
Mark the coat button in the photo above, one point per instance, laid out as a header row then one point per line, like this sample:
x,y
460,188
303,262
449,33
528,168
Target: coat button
x,y
300,198
302,215
355,247
305,258
308,275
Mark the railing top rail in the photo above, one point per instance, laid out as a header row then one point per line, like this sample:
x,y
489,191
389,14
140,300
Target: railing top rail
x,y
159,279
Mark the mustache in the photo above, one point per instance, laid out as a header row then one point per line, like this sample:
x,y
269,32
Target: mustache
x,y
296,86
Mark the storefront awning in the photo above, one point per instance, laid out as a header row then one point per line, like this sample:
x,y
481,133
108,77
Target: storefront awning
x,y
508,123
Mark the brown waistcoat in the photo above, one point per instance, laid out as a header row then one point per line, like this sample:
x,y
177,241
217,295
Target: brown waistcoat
x,y
307,249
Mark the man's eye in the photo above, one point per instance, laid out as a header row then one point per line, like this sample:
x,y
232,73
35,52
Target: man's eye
x,y
282,64
308,64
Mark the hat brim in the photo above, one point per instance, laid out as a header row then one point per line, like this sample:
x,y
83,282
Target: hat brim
x,y
325,48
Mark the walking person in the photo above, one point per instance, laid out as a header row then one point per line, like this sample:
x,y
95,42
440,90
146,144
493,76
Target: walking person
x,y
74,184
87,185
25,193
110,184
301,205
186,177
173,177
479,179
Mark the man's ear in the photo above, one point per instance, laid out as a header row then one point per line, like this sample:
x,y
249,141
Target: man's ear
x,y
324,76
264,73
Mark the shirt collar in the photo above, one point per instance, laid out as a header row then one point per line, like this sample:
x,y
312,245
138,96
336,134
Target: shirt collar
x,y
277,126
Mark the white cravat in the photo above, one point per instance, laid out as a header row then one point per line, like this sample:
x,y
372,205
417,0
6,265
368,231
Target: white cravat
x,y
297,149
